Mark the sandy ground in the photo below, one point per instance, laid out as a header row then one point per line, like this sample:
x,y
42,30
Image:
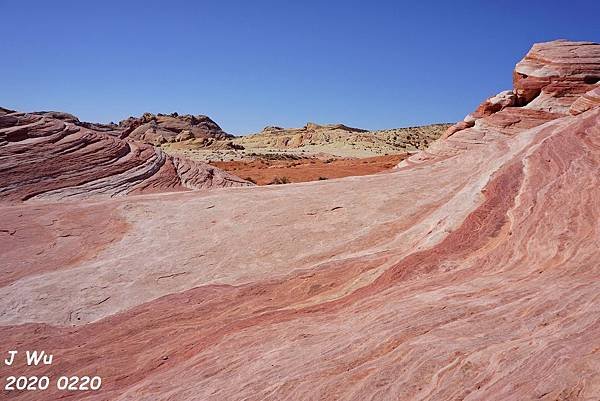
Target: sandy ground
x,y
264,172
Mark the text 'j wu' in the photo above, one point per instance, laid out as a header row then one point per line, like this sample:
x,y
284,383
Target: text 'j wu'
x,y
34,358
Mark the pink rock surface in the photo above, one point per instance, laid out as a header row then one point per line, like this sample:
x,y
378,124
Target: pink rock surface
x,y
586,102
54,156
471,272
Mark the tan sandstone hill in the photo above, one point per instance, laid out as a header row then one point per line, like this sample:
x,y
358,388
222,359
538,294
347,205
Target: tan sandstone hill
x,y
470,272
341,140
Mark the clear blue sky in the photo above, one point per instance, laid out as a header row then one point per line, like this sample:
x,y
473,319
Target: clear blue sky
x,y
248,64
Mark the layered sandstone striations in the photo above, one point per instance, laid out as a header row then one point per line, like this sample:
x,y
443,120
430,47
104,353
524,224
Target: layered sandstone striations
x,y
469,273
52,155
553,79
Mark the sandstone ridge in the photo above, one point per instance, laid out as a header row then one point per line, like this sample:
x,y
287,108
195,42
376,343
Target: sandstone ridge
x,y
52,155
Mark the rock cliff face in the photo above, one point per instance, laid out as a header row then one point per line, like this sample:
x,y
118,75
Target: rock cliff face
x,y
554,79
471,272
54,156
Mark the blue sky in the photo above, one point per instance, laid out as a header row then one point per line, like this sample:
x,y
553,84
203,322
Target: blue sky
x,y
248,64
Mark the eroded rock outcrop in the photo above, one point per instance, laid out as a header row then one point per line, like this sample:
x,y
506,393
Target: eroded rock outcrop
x,y
161,128
550,79
52,155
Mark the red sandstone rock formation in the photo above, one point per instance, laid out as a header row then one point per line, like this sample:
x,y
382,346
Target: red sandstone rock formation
x,y
549,80
161,128
471,272
54,156
586,102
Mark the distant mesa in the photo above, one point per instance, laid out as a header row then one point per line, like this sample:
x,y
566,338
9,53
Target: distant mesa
x,y
342,140
310,126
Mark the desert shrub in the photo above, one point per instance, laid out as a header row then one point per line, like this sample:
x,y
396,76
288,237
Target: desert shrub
x,y
323,178
280,180
252,180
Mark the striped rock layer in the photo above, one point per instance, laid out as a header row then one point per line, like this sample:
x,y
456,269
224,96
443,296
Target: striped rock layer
x,y
471,272
54,156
